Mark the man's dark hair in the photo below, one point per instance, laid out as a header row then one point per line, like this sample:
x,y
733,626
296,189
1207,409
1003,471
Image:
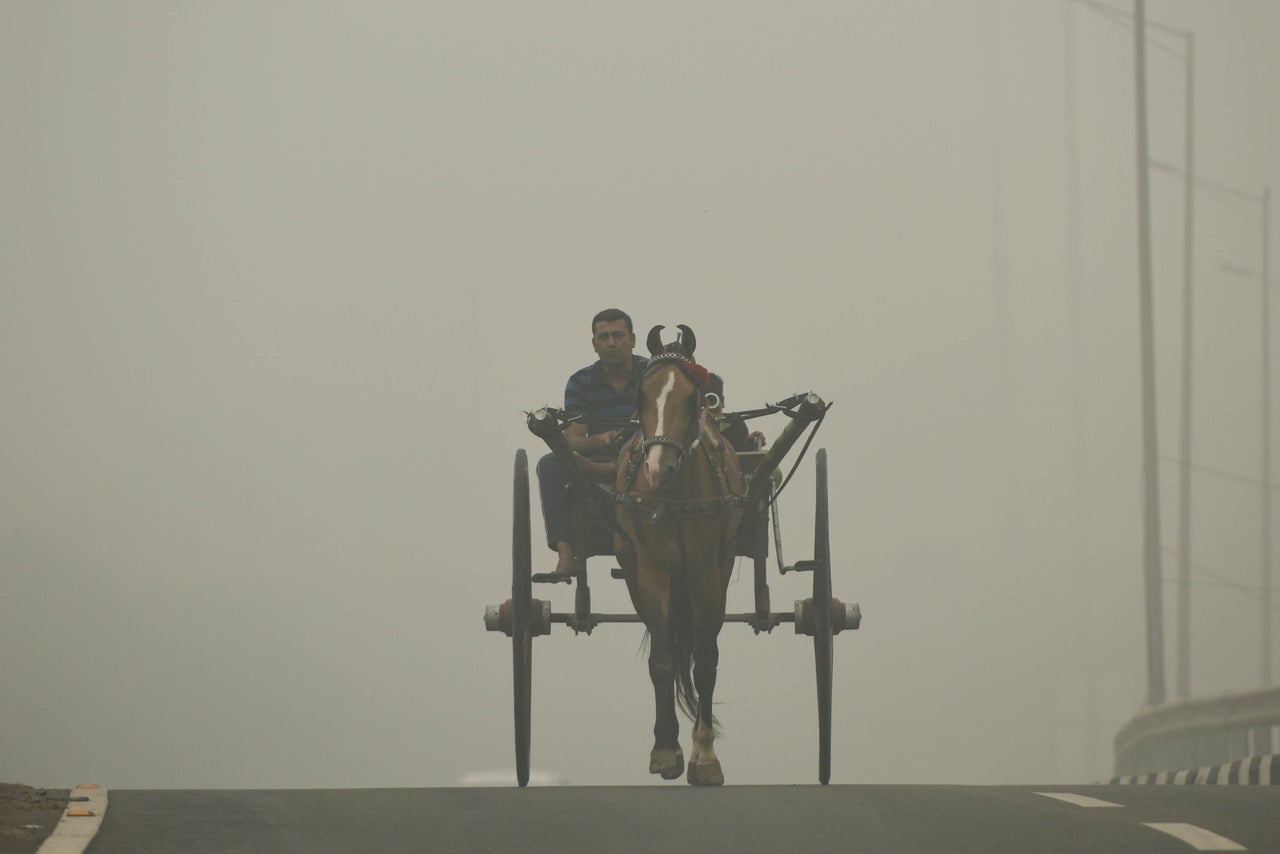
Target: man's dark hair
x,y
715,384
609,315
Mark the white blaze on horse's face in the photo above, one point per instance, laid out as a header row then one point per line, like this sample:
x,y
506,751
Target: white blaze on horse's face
x,y
652,463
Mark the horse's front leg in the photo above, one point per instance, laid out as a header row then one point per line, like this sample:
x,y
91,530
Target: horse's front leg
x,y
704,766
648,592
666,758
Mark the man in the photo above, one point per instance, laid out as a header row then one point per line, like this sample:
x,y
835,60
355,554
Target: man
x,y
603,395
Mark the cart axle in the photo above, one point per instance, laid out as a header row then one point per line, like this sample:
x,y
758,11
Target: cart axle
x,y
497,618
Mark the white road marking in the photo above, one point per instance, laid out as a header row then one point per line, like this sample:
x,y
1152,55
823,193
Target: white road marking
x,y
1197,837
74,832
1078,800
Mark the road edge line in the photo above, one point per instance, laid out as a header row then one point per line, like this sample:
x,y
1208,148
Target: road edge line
x,y
79,823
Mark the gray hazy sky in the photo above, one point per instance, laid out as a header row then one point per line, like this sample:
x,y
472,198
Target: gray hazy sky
x,y
277,281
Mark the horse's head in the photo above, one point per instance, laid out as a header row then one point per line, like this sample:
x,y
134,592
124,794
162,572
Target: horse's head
x,y
669,405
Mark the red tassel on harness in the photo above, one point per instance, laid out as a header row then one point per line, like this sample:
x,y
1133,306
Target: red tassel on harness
x,y
697,374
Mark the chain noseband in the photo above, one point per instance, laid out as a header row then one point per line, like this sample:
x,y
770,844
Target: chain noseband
x,y
669,441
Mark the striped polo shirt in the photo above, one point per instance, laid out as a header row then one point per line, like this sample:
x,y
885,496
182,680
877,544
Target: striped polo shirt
x,y
590,394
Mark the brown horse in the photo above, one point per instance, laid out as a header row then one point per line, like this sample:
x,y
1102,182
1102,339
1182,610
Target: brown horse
x,y
678,514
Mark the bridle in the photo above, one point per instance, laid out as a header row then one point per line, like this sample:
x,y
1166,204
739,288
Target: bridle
x,y
655,505
682,447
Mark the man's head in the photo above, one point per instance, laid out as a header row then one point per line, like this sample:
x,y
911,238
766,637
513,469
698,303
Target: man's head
x,y
612,315
612,338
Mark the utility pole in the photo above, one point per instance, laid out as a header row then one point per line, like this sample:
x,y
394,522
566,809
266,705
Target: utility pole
x,y
1151,494
1155,623
1265,598
1265,587
1183,689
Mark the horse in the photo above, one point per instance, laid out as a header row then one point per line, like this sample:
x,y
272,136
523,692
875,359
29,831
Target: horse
x,y
680,505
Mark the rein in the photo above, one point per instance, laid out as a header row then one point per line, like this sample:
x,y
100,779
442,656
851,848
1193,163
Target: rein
x,y
638,446
681,506
607,496
803,449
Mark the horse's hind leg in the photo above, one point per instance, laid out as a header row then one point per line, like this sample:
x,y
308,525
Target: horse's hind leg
x,y
666,758
704,766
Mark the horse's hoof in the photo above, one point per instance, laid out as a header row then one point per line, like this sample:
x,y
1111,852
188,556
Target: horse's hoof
x,y
666,761
706,774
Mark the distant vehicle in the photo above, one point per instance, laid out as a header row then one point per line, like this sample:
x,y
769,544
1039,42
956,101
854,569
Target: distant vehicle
x,y
508,778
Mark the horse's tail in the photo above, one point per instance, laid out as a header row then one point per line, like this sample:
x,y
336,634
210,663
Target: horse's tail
x,y
680,636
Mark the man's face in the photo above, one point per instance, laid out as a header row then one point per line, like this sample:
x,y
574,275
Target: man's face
x,y
613,343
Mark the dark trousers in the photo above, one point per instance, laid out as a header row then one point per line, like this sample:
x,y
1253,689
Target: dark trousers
x,y
553,488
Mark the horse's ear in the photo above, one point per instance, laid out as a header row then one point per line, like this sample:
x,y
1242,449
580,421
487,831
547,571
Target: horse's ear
x,y
687,340
655,340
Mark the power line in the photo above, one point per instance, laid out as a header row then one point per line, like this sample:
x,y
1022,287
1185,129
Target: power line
x,y
1219,580
1246,273
1203,183
1252,481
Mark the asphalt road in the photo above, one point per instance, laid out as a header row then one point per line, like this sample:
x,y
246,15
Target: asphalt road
x,y
680,818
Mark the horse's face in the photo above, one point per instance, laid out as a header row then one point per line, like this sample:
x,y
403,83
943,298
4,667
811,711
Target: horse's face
x,y
669,408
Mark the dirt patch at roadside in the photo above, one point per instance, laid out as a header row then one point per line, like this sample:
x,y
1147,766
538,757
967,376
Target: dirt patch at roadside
x,y
27,816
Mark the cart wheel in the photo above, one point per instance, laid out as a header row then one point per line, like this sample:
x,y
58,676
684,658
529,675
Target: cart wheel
x,y
521,615
822,633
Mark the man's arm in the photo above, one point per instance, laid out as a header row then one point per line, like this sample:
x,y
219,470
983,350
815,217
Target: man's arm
x,y
582,444
591,450
575,402
600,443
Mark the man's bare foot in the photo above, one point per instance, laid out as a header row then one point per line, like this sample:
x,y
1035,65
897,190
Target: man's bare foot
x,y
564,566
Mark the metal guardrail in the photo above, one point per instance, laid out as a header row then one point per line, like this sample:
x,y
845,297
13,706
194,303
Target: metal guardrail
x,y
1200,732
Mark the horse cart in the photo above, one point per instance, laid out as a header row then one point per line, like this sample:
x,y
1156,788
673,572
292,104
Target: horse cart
x,y
639,524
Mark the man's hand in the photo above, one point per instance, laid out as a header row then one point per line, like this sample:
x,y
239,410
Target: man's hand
x,y
597,444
